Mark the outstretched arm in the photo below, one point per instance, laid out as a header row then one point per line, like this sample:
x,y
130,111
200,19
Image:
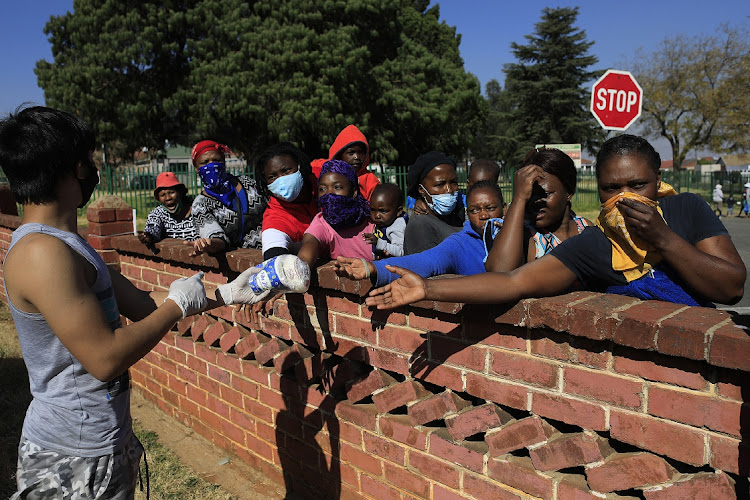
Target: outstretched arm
x,y
540,278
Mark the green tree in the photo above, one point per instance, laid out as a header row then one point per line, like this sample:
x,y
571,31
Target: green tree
x,y
254,73
497,138
696,92
546,86
114,63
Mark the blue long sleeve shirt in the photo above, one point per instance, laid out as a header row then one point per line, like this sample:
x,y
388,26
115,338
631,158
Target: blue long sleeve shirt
x,y
459,253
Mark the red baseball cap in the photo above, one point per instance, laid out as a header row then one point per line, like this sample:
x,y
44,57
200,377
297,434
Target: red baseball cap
x,y
167,180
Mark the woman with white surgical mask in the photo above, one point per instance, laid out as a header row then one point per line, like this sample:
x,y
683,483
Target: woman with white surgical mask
x,y
433,179
286,180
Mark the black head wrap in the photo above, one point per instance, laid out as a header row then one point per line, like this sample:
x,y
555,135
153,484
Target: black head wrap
x,y
422,167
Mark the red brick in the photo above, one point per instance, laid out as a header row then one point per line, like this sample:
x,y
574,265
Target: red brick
x,y
276,328
400,339
476,419
266,352
620,391
497,391
438,374
574,487
512,314
214,333
684,335
518,434
481,487
623,471
660,368
730,455
519,473
730,348
570,450
441,493
459,353
435,469
360,460
384,448
288,358
375,380
595,318
638,324
388,360
696,409
530,369
377,489
435,407
468,454
247,345
407,480
364,416
673,440
398,428
398,395
701,486
312,368
428,321
200,325
356,328
550,312
572,411
231,337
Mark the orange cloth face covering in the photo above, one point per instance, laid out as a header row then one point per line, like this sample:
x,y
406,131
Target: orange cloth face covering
x,y
630,255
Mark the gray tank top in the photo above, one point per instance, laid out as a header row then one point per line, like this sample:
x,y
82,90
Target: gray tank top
x,y
71,411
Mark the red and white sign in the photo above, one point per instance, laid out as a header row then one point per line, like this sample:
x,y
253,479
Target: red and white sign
x,y
616,100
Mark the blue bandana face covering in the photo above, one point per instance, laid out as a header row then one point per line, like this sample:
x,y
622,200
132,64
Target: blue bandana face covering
x,y
217,182
287,187
442,204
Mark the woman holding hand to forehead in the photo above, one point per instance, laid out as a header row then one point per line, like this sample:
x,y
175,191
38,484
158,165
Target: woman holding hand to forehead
x,y
670,248
229,211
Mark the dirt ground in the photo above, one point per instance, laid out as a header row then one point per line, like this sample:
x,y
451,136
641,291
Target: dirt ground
x,y
210,463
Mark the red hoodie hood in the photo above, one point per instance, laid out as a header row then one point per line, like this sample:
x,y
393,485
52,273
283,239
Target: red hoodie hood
x,y
347,137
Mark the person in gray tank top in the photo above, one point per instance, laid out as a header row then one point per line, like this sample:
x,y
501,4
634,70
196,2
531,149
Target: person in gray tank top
x,y
77,439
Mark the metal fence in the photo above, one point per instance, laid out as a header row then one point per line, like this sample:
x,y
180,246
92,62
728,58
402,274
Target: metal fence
x,y
136,184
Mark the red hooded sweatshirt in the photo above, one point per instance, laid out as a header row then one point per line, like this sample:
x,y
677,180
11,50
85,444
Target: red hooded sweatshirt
x,y
350,135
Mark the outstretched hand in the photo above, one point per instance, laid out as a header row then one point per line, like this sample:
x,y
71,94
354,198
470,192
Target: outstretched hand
x,y
200,246
409,288
353,268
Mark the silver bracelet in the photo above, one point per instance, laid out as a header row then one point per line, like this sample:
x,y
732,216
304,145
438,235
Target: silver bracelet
x,y
367,267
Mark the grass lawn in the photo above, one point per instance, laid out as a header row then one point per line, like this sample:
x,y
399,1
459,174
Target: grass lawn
x,y
169,478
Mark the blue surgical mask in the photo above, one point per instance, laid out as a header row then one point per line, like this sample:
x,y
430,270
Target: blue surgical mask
x,y
213,175
442,204
287,187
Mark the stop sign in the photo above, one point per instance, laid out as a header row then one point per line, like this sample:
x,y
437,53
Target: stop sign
x,y
616,100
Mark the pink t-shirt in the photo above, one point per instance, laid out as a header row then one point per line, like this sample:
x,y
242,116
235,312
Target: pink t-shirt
x,y
347,242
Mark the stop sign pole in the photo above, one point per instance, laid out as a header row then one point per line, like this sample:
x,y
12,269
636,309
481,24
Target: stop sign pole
x,y
616,100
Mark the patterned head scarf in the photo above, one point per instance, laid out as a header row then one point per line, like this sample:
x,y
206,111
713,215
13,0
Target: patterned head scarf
x,y
338,210
205,146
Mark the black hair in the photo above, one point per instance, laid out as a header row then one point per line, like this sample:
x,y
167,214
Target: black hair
x,y
39,146
282,149
389,189
626,144
486,184
555,162
484,165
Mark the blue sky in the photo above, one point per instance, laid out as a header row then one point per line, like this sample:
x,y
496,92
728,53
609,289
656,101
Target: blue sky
x,y
487,28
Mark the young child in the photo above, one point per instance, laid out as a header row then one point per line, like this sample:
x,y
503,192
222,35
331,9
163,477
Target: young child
x,y
352,147
481,170
672,248
171,219
387,213
66,304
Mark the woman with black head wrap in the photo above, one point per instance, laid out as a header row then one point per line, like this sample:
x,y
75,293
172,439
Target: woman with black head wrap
x,y
433,179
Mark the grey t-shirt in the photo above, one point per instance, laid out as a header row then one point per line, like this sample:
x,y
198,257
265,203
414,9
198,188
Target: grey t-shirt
x,y
71,411
427,231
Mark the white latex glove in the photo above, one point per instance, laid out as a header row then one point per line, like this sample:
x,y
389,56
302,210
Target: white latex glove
x,y
239,291
189,294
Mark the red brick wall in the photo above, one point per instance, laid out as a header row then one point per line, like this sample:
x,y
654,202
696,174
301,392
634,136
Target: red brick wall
x,y
578,396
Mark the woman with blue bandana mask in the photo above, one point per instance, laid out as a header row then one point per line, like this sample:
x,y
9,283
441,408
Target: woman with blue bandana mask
x,y
286,180
229,211
433,179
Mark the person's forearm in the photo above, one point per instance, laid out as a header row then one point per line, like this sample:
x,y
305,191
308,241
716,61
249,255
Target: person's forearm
x,y
487,288
710,276
217,245
507,250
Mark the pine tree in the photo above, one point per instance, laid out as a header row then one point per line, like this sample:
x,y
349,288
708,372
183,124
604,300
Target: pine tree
x,y
546,86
